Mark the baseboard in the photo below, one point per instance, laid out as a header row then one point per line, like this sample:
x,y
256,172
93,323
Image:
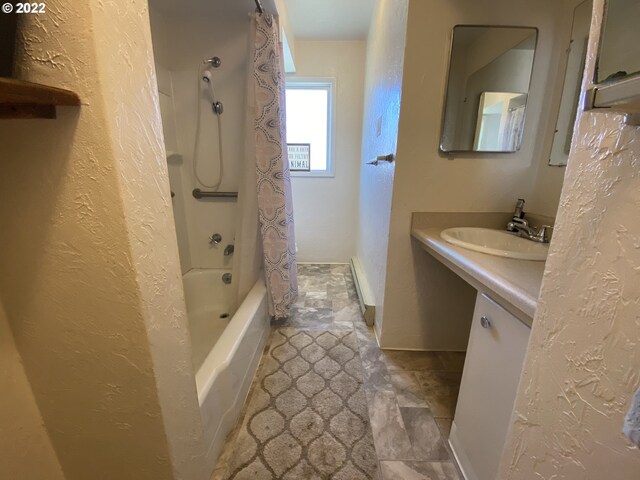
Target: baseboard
x,y
365,297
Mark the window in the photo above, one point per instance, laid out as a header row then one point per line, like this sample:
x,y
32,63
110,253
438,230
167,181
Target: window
x,y
310,127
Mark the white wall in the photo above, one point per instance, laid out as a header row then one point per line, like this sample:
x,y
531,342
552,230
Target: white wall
x,y
383,80
326,208
583,363
25,444
427,181
89,272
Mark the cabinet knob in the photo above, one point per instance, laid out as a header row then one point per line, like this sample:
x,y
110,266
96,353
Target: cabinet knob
x,y
485,322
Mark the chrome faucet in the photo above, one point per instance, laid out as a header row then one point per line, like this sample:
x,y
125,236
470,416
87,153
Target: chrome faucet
x,y
521,227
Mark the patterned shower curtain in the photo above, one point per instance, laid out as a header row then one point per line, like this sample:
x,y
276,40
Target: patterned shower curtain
x,y
275,206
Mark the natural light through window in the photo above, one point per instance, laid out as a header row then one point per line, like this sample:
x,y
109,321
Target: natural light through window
x,y
309,127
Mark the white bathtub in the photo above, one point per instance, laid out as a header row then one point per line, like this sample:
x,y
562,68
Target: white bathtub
x,y
226,351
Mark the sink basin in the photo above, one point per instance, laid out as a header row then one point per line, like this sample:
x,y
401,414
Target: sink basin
x,y
496,242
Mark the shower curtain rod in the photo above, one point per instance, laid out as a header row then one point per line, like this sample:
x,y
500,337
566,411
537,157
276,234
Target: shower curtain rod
x,y
259,8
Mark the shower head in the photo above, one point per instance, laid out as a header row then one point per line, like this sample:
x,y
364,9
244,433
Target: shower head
x,y
206,77
215,62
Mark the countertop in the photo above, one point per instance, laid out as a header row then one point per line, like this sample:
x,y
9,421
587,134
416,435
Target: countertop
x,y
515,284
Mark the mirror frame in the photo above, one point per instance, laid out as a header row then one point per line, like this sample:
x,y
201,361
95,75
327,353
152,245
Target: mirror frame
x,y
446,91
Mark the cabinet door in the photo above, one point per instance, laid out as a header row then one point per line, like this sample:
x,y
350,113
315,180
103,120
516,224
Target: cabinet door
x,y
497,345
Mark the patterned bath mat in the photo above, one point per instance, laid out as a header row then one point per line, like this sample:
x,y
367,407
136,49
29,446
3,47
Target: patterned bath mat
x,y
307,416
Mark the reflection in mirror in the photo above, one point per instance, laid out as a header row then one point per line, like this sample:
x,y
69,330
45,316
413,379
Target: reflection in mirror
x,y
500,121
489,76
572,83
620,42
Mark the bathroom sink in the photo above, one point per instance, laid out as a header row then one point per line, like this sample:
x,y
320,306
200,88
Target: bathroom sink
x,y
496,242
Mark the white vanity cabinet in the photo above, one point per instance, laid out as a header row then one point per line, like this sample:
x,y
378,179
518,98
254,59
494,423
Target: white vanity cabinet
x,y
492,369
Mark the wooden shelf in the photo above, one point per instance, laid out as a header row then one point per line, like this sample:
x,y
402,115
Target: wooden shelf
x,y
20,99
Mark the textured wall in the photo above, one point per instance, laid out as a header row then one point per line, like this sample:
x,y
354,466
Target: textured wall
x,y
326,208
132,107
26,448
583,363
428,182
383,80
89,274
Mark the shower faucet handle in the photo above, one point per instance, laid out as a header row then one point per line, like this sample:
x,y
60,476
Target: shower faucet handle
x,y
215,239
215,62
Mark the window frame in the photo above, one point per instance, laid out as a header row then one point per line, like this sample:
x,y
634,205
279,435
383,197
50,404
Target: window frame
x,y
329,85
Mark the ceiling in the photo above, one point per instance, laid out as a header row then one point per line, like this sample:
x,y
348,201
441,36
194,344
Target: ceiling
x,y
219,7
330,19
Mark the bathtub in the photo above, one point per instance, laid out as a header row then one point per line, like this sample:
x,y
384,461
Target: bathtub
x,y
227,344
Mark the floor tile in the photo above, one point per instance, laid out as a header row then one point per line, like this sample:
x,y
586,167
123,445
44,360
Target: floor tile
x,y
408,389
350,313
343,268
424,435
317,300
418,471
389,435
441,391
406,360
376,376
444,424
310,317
452,361
341,302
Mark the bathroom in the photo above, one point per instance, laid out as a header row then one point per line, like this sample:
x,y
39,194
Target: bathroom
x,y
140,332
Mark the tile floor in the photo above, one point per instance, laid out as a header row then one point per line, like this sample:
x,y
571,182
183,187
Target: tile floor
x,y
411,396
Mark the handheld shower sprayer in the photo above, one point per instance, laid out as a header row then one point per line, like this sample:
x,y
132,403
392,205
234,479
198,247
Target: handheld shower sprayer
x,y
205,76
215,105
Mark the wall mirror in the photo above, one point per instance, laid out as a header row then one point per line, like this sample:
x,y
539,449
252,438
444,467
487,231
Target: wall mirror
x,y
576,56
619,54
489,76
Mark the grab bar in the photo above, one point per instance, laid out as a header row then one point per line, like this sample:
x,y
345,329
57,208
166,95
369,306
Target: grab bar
x,y
197,193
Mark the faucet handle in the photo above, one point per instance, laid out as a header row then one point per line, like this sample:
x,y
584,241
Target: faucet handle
x,y
543,235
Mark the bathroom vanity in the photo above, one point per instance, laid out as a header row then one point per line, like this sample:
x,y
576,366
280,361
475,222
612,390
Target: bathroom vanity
x,y
506,301
514,284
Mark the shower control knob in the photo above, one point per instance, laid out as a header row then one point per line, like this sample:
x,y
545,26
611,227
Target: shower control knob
x,y
215,239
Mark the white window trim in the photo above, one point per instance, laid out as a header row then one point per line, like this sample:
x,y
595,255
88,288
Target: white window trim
x,y
328,83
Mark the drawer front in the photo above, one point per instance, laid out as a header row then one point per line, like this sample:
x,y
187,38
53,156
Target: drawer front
x,y
497,346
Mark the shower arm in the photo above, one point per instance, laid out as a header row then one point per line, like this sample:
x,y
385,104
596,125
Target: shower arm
x,y
259,8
